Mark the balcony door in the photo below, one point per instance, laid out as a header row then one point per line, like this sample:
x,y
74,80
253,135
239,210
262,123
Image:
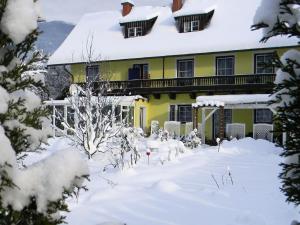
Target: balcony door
x,y
138,71
225,67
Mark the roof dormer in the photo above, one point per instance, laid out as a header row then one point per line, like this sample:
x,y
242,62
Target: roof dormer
x,y
192,23
193,15
139,21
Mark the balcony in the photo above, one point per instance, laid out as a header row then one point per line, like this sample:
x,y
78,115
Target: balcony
x,y
259,83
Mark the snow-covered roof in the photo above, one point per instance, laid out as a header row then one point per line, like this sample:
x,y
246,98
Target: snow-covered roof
x,y
229,30
141,14
223,100
196,7
120,100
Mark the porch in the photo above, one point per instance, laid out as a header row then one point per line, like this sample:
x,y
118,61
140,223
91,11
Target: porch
x,y
208,105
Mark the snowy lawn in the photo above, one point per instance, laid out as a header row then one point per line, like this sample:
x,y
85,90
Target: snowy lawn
x,y
185,191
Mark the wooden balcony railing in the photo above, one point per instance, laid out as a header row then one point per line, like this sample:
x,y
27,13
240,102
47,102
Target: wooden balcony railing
x,y
234,83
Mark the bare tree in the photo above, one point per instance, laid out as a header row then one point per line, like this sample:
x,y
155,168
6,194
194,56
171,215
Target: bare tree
x,y
95,118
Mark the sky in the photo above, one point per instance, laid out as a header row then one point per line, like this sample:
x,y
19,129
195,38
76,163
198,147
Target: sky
x,y
71,10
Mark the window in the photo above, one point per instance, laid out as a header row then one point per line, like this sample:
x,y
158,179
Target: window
x,y
127,115
263,116
195,25
92,73
172,116
135,31
190,26
143,70
225,65
181,113
185,113
185,68
263,63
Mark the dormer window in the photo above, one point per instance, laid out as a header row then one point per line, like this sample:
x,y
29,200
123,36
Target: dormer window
x,y
137,28
192,23
135,31
191,26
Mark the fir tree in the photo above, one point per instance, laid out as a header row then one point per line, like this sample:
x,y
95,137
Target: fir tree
x,y
21,114
279,18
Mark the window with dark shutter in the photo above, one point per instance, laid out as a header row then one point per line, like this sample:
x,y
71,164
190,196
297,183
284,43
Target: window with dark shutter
x,y
92,73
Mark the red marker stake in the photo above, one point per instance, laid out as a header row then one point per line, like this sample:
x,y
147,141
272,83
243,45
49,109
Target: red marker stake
x,y
148,154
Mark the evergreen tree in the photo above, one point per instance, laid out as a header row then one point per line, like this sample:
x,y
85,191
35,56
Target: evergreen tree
x,y
280,18
21,121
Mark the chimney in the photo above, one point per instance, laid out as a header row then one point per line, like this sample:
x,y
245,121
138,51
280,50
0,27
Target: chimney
x,y
177,5
127,7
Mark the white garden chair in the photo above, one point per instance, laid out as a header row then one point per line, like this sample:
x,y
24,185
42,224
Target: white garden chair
x,y
235,130
188,128
263,131
173,127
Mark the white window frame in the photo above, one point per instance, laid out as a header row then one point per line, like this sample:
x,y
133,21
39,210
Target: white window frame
x,y
224,58
135,31
191,26
177,112
195,24
185,71
256,66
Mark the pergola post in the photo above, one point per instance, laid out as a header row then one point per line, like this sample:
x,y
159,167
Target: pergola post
x,y
53,120
221,120
195,117
283,138
65,115
203,126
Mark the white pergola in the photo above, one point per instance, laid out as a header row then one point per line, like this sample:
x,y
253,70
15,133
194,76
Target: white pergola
x,y
119,100
215,102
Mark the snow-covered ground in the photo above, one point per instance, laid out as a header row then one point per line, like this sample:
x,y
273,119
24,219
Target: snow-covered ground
x,y
185,191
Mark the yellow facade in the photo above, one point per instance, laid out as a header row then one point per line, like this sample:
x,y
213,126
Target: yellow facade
x,y
166,67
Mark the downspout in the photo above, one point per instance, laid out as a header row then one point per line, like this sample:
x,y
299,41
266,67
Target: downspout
x,y
163,68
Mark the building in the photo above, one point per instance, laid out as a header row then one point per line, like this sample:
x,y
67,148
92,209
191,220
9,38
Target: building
x,y
172,54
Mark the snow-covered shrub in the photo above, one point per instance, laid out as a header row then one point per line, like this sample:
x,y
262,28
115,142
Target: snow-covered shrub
x,y
95,118
154,128
173,127
170,150
192,140
124,149
163,135
35,194
276,18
